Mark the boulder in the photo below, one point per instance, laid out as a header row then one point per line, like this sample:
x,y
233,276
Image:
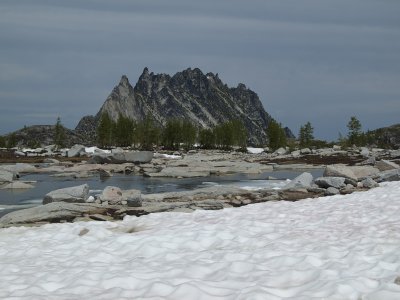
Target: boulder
x,y
395,153
296,153
327,182
73,194
390,175
112,195
280,151
369,183
331,191
5,176
385,165
354,172
132,197
76,151
368,162
303,180
339,171
132,157
122,157
362,172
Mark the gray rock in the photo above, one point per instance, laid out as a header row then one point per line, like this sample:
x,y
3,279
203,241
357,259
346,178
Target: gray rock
x,y
73,194
362,172
385,165
132,197
326,182
330,191
369,183
133,157
5,176
76,151
122,157
52,212
369,162
339,171
280,151
296,153
390,175
112,195
354,172
395,153
303,180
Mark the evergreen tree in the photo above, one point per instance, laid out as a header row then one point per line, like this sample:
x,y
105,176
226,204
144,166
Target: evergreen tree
x,y
188,134
276,135
11,141
105,130
2,142
59,134
306,135
123,131
206,138
239,132
172,134
354,134
147,134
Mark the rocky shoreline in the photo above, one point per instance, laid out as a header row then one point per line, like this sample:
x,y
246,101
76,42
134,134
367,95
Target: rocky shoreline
x,y
363,169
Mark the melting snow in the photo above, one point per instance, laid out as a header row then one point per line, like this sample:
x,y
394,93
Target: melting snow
x,y
340,247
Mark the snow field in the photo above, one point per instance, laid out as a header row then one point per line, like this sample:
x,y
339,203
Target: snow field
x,y
340,247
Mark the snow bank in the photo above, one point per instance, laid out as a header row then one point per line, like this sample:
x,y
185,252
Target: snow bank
x,y
255,150
93,150
341,247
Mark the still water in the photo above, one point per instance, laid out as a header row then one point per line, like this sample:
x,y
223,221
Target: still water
x,y
46,183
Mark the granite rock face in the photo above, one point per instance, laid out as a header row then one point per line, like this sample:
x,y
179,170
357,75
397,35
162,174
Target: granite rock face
x,y
192,95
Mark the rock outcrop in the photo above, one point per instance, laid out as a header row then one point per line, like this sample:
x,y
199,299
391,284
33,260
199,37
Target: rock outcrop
x,y
201,98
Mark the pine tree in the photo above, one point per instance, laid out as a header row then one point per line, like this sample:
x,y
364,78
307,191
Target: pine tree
x,y
147,134
276,135
207,138
59,134
123,131
105,130
188,134
306,135
355,133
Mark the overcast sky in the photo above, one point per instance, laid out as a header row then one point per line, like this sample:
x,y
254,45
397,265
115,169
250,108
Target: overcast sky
x,y
321,61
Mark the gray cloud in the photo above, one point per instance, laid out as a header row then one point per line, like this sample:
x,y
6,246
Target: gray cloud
x,y
310,60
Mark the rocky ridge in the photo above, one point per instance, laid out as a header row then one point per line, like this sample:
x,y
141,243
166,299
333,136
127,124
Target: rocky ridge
x,y
192,95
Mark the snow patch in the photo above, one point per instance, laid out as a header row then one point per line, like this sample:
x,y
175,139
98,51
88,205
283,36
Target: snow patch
x,y
339,247
255,150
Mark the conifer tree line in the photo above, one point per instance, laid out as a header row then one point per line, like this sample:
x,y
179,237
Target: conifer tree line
x,y
182,134
179,133
176,134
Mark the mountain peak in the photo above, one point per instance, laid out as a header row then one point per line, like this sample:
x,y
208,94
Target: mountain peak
x,y
201,98
124,81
